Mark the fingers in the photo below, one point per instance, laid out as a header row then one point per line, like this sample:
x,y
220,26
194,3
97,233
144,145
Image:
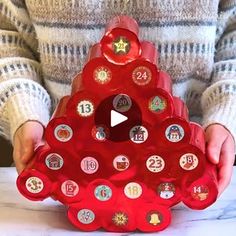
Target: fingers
x,y
17,160
226,165
22,153
214,139
28,154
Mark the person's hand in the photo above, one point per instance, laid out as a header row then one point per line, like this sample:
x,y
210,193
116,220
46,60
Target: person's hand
x,y
26,139
220,151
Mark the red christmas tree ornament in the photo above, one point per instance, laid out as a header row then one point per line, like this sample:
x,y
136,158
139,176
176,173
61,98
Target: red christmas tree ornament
x,y
121,140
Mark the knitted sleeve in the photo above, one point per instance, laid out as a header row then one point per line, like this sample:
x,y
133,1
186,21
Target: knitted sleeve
x,y
219,99
22,97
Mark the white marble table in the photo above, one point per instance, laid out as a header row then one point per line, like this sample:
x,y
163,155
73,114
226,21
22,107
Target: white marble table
x,y
18,216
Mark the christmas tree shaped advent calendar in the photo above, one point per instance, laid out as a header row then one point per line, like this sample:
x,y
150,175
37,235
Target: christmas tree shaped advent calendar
x,y
120,152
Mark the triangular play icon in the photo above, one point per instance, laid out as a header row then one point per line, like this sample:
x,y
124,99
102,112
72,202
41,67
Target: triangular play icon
x,y
117,118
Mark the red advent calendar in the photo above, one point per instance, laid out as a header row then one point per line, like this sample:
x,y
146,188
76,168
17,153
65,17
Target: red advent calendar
x,y
121,151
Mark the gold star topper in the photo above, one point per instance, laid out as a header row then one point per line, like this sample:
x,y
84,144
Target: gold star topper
x,y
121,46
120,219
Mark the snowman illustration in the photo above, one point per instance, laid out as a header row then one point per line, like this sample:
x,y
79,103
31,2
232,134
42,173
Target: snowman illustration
x,y
166,190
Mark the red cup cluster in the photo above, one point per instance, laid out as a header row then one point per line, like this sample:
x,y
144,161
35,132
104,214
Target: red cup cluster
x,y
130,184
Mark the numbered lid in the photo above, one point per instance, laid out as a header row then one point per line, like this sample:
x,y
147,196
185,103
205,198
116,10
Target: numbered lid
x,y
201,194
152,217
84,216
101,75
173,132
157,105
69,190
60,132
119,218
101,192
167,192
120,44
34,185
82,106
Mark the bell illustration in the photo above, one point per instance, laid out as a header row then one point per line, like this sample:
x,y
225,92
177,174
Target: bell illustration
x,y
155,219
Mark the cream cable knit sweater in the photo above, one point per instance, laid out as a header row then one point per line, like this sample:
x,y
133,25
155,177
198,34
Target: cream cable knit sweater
x,y
44,43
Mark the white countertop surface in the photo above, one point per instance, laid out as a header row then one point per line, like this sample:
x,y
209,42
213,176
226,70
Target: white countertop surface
x,y
19,216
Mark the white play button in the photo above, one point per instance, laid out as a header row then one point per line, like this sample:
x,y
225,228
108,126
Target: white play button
x,y
117,118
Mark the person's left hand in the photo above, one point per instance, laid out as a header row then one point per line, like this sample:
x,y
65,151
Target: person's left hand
x,y
220,151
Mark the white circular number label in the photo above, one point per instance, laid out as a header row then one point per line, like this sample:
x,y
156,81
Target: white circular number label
x,y
155,164
122,103
34,185
89,165
63,133
54,161
102,75
121,163
103,192
138,134
86,216
85,108
70,188
174,133
141,75
188,161
133,190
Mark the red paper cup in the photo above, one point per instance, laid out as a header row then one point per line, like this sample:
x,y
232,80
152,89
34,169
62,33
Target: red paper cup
x,y
90,164
152,165
99,74
203,192
197,136
56,163
69,191
141,136
187,162
156,105
167,192
60,133
181,109
77,84
34,185
173,132
142,72
61,107
118,218
164,82
149,52
121,164
123,22
120,44
84,216
141,75
152,218
133,192
82,106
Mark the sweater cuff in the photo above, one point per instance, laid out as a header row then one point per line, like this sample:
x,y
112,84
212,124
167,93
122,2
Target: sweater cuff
x,y
23,107
219,106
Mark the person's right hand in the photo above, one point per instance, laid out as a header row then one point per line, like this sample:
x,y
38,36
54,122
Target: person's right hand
x,y
26,139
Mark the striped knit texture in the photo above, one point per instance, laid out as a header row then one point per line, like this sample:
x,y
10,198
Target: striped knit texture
x,y
45,43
